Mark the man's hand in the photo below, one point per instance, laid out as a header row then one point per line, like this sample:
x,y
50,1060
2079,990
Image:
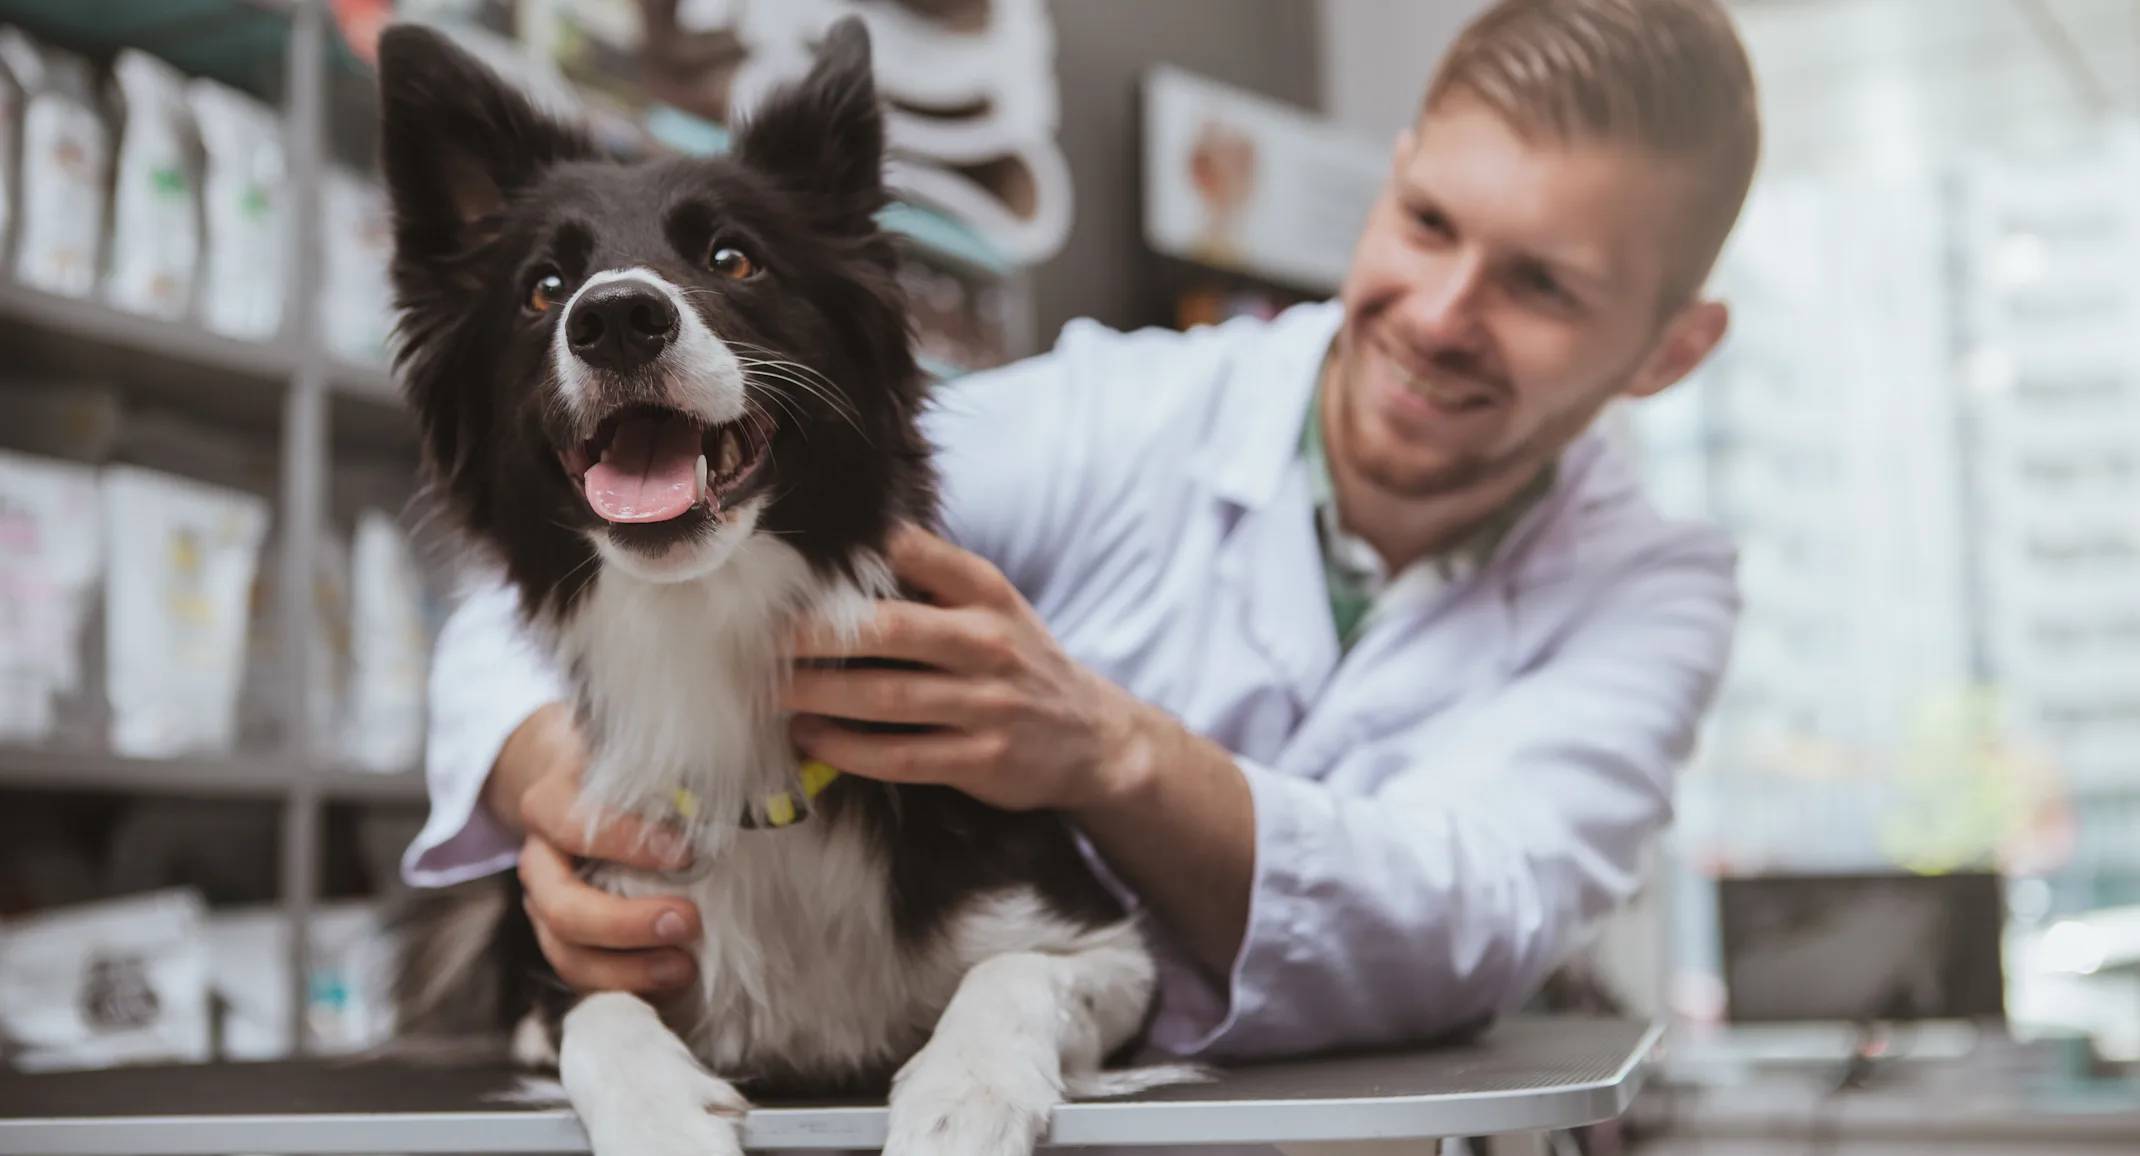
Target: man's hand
x,y
595,940
1018,723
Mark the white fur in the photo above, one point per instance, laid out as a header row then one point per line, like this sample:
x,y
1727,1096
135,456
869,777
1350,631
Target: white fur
x,y
637,1091
679,680
1022,1023
800,965
703,376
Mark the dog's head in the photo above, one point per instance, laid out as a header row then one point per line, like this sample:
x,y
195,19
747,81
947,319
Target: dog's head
x,y
650,361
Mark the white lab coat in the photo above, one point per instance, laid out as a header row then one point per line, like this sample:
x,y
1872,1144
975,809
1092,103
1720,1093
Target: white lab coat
x,y
1440,817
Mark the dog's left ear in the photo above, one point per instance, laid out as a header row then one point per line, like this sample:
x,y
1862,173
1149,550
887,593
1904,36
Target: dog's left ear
x,y
456,144
823,137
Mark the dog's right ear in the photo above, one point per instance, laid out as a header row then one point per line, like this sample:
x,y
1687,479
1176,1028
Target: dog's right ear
x,y
456,143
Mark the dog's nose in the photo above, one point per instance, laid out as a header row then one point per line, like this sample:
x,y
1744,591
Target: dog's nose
x,y
620,326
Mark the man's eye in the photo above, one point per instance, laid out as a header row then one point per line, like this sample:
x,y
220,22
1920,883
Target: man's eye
x,y
548,291
1433,223
1537,281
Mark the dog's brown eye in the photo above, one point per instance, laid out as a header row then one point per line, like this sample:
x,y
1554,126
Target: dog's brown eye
x,y
734,264
548,290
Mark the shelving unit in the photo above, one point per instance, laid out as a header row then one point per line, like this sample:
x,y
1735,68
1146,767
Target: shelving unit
x,y
292,384
238,776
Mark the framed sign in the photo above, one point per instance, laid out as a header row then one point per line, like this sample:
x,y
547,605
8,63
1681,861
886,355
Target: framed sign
x,y
1238,181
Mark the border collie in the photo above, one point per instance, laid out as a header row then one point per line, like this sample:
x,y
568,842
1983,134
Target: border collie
x,y
674,400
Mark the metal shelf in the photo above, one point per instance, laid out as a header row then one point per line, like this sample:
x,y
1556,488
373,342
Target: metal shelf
x,y
266,364
247,776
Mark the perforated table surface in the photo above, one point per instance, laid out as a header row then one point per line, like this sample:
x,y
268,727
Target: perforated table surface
x,y
1523,1075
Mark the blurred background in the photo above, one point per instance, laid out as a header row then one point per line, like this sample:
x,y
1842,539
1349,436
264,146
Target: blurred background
x,y
1924,432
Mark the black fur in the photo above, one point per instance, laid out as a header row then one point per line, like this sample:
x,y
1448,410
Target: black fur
x,y
485,193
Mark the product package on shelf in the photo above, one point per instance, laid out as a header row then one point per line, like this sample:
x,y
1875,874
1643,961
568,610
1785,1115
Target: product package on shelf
x,y
348,1008
155,230
263,707
49,555
118,982
356,301
64,161
241,201
182,558
389,648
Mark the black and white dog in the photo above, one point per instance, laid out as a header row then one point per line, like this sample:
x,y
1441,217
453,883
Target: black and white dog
x,y
675,400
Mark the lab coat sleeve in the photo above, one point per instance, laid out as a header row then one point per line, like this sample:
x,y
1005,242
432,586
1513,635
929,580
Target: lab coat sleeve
x,y
487,676
1448,895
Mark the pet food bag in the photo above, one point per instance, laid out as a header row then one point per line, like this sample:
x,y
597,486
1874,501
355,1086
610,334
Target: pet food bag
x,y
241,209
118,982
263,701
356,302
155,232
182,558
49,554
65,157
348,1003
389,646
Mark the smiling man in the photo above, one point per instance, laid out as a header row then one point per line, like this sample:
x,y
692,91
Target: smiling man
x,y
1357,660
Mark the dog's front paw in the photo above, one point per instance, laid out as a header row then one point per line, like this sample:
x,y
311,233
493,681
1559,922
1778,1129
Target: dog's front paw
x,y
954,1101
679,1130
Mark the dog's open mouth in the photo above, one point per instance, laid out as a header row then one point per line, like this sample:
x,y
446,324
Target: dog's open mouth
x,y
653,464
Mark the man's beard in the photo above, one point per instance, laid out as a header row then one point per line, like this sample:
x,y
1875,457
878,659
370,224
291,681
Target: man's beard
x,y
1463,471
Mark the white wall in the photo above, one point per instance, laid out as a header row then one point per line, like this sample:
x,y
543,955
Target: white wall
x,y
1378,54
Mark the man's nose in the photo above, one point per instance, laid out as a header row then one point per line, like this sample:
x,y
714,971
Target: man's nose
x,y
1443,307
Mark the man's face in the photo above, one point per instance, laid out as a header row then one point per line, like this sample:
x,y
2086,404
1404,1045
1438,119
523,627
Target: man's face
x,y
1501,293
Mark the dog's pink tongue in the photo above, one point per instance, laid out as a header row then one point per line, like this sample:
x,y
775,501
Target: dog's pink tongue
x,y
651,474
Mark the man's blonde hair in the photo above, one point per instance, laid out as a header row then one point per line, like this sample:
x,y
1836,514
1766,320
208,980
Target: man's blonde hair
x,y
1670,76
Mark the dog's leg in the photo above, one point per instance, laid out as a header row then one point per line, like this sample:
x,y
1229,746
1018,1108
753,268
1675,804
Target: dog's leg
x,y
637,1088
1020,1024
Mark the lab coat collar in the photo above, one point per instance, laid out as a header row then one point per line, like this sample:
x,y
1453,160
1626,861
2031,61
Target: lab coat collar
x,y
1255,447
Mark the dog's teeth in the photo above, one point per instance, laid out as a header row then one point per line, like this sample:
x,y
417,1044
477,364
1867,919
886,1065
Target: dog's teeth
x,y
731,452
699,494
605,453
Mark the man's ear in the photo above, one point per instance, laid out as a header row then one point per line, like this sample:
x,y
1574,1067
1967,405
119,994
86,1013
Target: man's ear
x,y
1688,339
823,137
456,143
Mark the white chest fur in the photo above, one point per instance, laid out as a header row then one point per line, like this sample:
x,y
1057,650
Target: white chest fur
x,y
678,682
799,963
801,967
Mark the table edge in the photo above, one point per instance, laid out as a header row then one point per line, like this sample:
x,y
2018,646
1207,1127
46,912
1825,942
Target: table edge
x,y
1141,1123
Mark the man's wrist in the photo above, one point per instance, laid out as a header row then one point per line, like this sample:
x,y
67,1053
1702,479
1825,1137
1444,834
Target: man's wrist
x,y
522,760
1135,750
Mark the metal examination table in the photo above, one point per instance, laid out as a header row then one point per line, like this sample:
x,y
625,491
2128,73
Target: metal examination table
x,y
1524,1077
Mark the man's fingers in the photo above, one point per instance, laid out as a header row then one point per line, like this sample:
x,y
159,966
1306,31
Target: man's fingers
x,y
586,916
949,757
949,575
970,640
551,810
893,696
589,969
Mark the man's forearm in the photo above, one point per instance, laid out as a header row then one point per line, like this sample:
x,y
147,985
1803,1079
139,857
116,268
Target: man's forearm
x,y
1182,834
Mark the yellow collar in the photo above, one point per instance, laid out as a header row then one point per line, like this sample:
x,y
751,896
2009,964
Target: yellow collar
x,y
778,809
